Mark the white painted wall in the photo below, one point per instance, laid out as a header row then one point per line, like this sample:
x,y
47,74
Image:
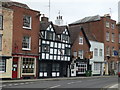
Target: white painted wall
x,y
97,59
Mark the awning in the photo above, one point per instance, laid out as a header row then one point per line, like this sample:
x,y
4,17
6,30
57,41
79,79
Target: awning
x,y
5,57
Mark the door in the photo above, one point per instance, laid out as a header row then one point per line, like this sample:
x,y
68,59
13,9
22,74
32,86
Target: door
x,y
15,67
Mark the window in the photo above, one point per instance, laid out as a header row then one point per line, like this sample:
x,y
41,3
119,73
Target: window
x,y
107,36
97,66
119,37
80,54
49,35
55,67
26,43
107,24
108,51
113,26
95,52
100,52
28,65
67,51
75,54
80,40
27,21
2,65
64,37
1,22
45,48
0,42
43,67
119,52
113,37
113,51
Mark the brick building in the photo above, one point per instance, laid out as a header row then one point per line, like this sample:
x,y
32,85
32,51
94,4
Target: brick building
x,y
80,47
104,30
25,28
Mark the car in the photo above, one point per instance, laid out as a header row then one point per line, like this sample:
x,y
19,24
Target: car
x,y
119,74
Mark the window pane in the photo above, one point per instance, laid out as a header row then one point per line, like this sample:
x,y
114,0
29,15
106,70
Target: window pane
x,y
26,42
0,42
26,21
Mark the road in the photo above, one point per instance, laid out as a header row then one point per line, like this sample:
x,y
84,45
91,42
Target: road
x,y
104,82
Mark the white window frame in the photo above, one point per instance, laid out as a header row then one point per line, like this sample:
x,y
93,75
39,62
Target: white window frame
x,y
30,22
107,24
80,40
95,52
2,64
80,54
113,51
113,26
107,36
113,37
1,22
107,51
29,44
101,52
0,42
119,37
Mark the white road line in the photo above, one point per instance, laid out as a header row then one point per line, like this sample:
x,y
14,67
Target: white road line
x,y
10,84
114,86
71,83
16,84
79,81
21,83
3,85
26,83
55,86
0,86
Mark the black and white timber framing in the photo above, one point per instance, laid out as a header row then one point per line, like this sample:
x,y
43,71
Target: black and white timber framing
x,y
54,51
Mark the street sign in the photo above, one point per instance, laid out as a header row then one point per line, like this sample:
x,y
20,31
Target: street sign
x,y
115,53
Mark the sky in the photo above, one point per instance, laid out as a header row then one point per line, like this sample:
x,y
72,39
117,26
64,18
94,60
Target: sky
x,y
73,10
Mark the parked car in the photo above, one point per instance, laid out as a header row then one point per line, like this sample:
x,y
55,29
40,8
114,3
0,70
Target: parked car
x,y
119,74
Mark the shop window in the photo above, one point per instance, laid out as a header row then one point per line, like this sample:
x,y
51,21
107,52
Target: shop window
x,y
43,67
28,65
2,65
97,66
55,67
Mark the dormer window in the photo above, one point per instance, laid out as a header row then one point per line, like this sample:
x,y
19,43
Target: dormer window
x,y
27,22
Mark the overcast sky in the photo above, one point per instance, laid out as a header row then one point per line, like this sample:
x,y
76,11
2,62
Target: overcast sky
x,y
73,10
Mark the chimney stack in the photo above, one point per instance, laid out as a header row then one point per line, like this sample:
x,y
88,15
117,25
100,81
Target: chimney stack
x,y
45,19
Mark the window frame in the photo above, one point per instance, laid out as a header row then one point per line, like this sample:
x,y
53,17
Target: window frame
x,y
113,37
1,28
107,36
26,43
43,46
1,42
95,51
2,65
81,40
101,52
81,54
30,23
107,24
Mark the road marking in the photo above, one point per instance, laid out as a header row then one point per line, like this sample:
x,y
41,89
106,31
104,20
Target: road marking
x,y
15,84
71,83
55,86
3,85
21,83
0,86
114,86
26,83
79,81
9,84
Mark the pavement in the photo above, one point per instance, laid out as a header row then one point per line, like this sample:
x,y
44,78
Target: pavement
x,y
48,79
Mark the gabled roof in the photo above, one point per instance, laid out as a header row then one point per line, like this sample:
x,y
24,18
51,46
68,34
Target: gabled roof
x,y
11,3
74,33
87,19
58,29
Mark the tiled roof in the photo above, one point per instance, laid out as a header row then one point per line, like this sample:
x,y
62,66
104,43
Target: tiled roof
x,y
58,29
87,19
75,30
11,3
